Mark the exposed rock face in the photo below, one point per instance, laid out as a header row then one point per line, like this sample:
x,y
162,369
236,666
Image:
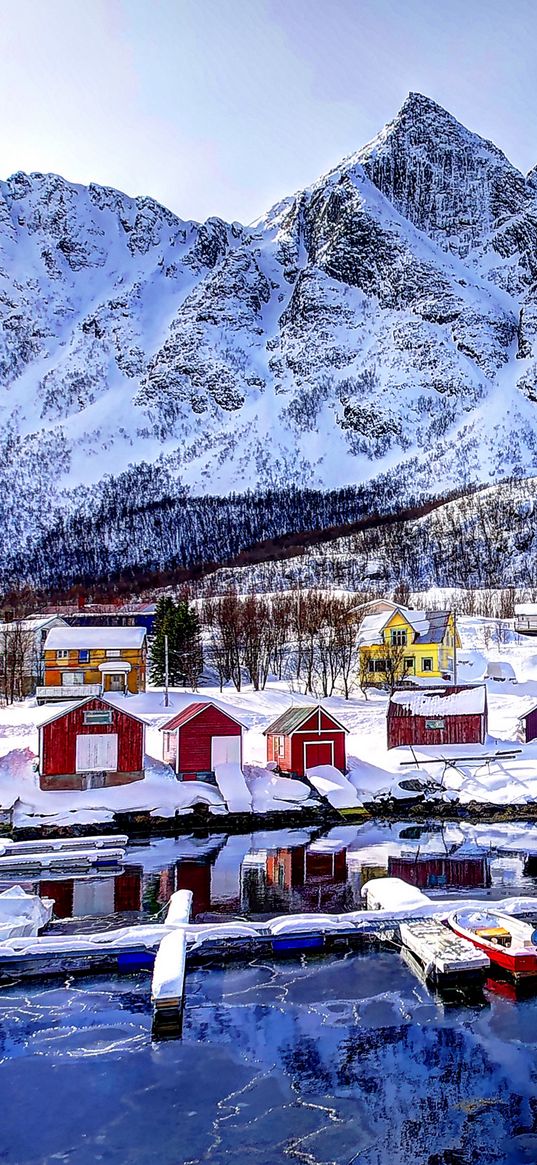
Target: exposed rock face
x,y
386,313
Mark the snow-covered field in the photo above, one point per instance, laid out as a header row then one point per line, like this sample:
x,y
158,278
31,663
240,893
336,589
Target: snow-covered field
x,y
372,768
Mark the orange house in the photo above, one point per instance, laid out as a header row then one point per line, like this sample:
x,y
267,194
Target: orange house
x,y
89,661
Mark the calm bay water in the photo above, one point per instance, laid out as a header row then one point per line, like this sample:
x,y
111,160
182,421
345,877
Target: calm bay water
x,y
320,1059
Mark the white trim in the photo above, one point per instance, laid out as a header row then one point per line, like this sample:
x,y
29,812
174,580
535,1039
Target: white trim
x,y
320,709
114,667
230,736
93,741
317,743
204,704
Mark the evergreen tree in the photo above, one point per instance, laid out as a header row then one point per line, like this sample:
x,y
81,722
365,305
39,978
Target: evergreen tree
x,y
180,623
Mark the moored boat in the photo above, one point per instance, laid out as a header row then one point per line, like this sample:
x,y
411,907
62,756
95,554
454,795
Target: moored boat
x,y
509,943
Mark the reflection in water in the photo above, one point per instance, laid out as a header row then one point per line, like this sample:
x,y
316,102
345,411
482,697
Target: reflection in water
x,y
339,1059
291,870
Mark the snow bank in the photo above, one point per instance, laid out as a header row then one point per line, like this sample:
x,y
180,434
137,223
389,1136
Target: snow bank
x,y
15,903
274,794
392,894
334,787
233,787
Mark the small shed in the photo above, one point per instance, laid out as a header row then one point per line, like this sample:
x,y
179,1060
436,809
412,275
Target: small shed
x,y
90,745
200,737
527,726
304,737
450,715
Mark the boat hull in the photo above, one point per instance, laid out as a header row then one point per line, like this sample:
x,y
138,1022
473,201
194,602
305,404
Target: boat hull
x,y
518,965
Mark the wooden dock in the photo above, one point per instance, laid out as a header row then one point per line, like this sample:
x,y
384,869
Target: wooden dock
x,y
446,959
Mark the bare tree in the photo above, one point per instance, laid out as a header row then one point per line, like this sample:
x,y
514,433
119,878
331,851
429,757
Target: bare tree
x,y
18,663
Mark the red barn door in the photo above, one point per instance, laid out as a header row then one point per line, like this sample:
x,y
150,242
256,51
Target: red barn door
x,y
318,752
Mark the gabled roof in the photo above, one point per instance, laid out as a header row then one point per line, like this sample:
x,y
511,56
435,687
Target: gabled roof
x,y
88,638
428,626
192,710
291,720
437,627
74,704
371,628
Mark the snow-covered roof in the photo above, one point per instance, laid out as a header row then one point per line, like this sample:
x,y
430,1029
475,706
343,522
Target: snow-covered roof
x,y
526,609
33,623
428,626
371,628
86,638
442,701
74,705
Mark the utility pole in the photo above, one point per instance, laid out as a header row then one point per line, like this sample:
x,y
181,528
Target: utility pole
x,y
454,645
166,672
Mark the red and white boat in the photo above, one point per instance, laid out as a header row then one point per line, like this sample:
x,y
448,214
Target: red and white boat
x,y
508,942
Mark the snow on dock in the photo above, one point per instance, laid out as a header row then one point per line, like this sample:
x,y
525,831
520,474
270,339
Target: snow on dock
x,y
446,959
168,983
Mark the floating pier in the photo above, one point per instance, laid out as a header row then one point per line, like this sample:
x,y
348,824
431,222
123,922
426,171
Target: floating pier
x,y
168,983
57,844
28,861
446,960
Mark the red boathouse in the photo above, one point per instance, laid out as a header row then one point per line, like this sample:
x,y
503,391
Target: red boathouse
x,y
450,715
200,737
302,738
90,745
527,726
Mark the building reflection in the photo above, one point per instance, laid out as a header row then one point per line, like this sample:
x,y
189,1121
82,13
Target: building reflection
x,y
462,871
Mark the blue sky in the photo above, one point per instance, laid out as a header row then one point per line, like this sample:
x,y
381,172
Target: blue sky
x,y
224,106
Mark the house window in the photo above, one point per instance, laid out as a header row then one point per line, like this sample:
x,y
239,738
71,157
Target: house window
x,y
72,677
435,724
83,656
409,662
62,654
399,637
96,716
427,665
113,653
279,745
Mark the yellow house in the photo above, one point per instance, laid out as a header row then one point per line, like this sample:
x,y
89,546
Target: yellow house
x,y
396,642
89,661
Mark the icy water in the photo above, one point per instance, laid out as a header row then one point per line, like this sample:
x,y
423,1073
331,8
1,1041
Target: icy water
x,y
320,1059
341,1060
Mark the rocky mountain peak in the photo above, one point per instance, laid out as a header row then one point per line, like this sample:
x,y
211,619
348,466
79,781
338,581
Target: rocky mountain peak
x,y
382,321
451,183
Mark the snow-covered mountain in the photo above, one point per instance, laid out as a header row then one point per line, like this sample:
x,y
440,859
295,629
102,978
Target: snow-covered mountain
x,y
382,320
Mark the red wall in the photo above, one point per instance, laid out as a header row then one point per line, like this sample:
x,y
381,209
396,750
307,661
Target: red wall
x,y
59,739
196,735
283,762
408,729
293,761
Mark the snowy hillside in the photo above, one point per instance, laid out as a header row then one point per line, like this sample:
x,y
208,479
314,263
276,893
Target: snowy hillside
x,y
384,317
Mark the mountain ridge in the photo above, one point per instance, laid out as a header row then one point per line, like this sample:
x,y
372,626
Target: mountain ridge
x,y
382,320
